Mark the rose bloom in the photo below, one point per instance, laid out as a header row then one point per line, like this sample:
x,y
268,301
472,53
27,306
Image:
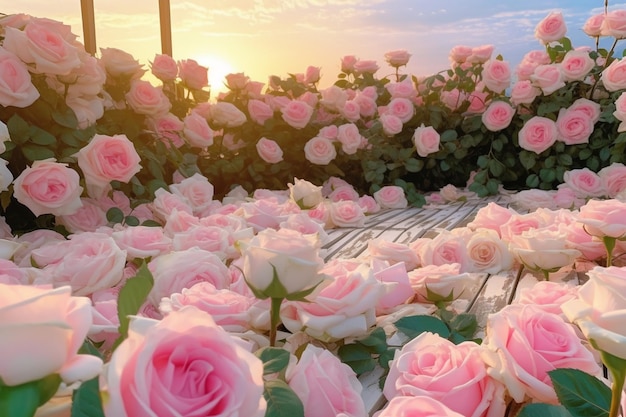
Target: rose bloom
x,y
590,108
211,238
349,136
538,134
142,241
351,110
574,127
420,405
325,385
392,125
614,76
16,87
365,66
593,25
614,24
319,151
144,98
367,105
613,179
259,111
226,114
48,187
604,218
297,113
576,65
391,197
193,75
524,343
492,216
343,192
496,75
237,81
347,63
397,58
599,309
426,140
584,182
551,28
454,375
42,330
396,287
164,67
543,250
333,98
404,88
498,116
393,253
305,194
346,213
487,252
446,247
269,151
119,63
195,367
548,77
197,131
403,108
459,54
547,295
88,218
196,191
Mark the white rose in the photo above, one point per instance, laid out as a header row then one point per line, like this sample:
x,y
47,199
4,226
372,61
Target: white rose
x,y
227,115
543,250
305,194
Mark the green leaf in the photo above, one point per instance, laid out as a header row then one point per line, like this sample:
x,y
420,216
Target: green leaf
x,y
131,297
413,326
532,181
115,215
24,399
66,118
448,135
274,359
357,357
464,324
19,129
543,410
377,340
582,394
37,153
414,165
527,159
86,401
281,400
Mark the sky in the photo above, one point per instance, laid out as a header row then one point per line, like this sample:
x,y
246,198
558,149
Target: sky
x,y
277,37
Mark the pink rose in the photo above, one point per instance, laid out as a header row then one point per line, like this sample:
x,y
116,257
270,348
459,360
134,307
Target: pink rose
x,y
551,28
164,67
460,53
343,192
144,98
481,54
402,108
168,128
367,105
445,248
237,81
346,213
142,241
445,280
391,197
576,65
16,88
584,182
225,114
319,151
478,101
538,134
210,238
496,75
487,252
542,250
364,66
590,108
393,252
454,375
193,75
347,63
325,385
498,116
421,405
312,75
397,58
197,131
404,89
118,63
524,92
613,179
593,25
426,140
604,218
548,296
196,190
333,98
269,151
548,77
48,187
259,111
297,113
396,287
349,136
88,218
392,125
614,24
614,76
195,367
492,216
524,343
574,127
42,330
351,110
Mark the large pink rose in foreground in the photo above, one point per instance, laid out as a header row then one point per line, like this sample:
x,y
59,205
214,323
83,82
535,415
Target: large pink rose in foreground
x,y
418,406
183,365
42,329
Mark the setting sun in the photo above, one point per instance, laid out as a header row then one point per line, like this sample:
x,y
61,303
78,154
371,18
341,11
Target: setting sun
x,y
218,69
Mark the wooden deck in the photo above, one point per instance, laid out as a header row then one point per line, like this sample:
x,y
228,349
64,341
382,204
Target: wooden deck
x,y
406,225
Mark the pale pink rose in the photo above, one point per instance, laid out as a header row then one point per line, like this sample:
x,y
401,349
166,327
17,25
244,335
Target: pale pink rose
x,y
193,75
42,331
343,192
367,105
576,65
365,66
524,70
267,212
228,308
225,114
304,224
538,134
393,253
168,128
305,194
87,111
492,216
478,101
333,98
566,198
211,371
297,114
404,89
369,204
584,182
396,287
397,58
197,131
332,184
237,81
16,87
498,116
347,63
402,108
108,158
426,140
524,343
101,262
259,111
548,296
349,136
196,190
444,280
32,240
613,179
269,151
118,63
346,213
548,78
179,221
48,187
574,127
542,250
392,125
518,223
590,108
551,28
459,54
210,238
604,218
309,98
445,248
593,25
420,405
452,99
325,385
614,76
614,24
534,199
144,98
487,252
319,151
165,203
391,197
351,110
496,75
173,271
457,378
312,75
105,326
88,218
481,54
524,92
42,47
164,67
329,132
343,307
142,241
620,112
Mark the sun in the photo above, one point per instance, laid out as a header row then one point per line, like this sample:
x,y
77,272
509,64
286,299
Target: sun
x,y
218,69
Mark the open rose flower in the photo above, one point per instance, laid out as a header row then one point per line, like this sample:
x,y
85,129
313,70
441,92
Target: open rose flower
x,y
426,140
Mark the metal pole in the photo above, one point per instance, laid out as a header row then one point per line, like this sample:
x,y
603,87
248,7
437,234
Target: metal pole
x,y
89,25
166,27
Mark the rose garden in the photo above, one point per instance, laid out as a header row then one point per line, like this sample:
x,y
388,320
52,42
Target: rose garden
x,y
169,253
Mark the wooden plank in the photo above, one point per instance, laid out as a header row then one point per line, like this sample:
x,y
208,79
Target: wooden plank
x,y
166,27
89,26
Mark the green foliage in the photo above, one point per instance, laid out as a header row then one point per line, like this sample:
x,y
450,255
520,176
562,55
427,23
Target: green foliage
x,y
582,394
24,399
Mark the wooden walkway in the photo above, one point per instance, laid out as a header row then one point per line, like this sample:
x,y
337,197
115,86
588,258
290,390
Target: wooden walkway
x,y
406,225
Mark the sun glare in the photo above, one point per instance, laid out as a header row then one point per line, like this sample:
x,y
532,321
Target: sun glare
x,y
218,69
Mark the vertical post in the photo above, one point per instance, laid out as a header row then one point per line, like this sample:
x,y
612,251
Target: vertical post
x,y
166,27
89,25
